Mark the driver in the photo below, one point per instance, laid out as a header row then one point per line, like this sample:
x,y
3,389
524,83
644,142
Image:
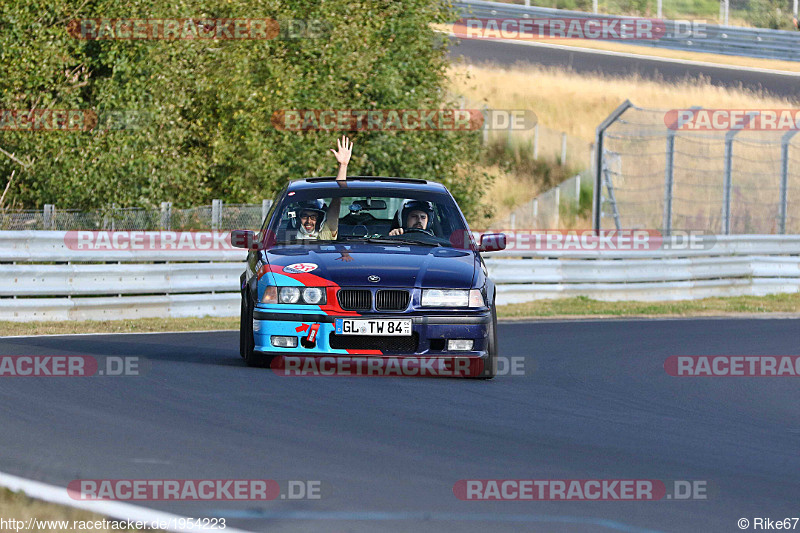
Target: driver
x,y
416,215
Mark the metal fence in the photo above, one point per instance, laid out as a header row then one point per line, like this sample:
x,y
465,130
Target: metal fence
x,y
728,182
556,208
218,216
727,40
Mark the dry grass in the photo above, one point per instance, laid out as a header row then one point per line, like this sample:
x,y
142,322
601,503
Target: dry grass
x,y
577,103
17,506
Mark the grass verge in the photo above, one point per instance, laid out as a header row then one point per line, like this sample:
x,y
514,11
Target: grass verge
x,y
18,506
564,308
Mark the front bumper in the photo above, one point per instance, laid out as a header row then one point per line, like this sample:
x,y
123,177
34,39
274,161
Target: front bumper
x,y
431,331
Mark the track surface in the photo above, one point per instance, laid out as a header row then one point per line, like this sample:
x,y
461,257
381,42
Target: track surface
x,y
589,61
388,450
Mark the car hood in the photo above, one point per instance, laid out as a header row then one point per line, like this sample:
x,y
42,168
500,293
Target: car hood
x,y
396,265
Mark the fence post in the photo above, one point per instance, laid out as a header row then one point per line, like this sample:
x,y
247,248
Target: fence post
x,y
49,215
577,192
563,149
265,205
166,215
668,182
727,183
536,141
659,10
787,137
598,162
216,213
594,6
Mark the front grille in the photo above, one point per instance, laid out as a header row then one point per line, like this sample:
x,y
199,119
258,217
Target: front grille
x,y
391,300
355,299
405,345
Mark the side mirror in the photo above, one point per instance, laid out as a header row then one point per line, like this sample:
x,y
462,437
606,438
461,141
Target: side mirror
x,y
492,242
244,238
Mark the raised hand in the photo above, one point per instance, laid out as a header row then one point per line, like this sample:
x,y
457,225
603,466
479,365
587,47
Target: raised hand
x,y
345,150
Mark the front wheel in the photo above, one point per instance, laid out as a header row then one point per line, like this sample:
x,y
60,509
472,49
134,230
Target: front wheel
x,y
247,343
490,363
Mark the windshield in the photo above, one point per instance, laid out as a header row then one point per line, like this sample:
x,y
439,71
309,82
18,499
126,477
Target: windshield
x,y
311,217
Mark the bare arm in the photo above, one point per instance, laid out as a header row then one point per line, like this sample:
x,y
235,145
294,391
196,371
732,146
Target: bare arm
x,y
345,150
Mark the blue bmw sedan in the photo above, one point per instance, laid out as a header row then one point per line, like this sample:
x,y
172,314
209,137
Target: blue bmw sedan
x,y
371,267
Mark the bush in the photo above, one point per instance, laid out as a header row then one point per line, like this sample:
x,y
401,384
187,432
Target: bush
x,y
204,107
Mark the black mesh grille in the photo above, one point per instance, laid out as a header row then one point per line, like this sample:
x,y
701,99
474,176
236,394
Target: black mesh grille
x,y
355,299
395,300
406,345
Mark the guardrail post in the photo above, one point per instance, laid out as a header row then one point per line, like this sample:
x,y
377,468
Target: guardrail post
x,y
563,149
598,162
166,215
48,216
265,205
594,6
216,213
787,137
536,141
659,10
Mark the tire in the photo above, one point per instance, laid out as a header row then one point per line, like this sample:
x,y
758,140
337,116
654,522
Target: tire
x,y
490,365
247,343
242,323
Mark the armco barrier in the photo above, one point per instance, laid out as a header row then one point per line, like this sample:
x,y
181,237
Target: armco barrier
x,y
727,40
42,279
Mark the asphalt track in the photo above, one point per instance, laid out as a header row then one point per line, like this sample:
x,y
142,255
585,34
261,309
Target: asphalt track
x,y
597,405
592,61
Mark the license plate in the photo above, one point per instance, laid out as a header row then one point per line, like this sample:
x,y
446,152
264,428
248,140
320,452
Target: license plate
x,y
347,326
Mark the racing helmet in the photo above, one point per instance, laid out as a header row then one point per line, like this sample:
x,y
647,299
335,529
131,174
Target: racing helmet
x,y
416,205
315,206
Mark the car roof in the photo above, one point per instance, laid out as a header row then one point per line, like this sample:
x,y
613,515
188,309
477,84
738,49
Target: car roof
x,y
369,182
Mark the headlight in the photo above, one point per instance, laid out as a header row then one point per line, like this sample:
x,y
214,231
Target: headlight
x,y
289,295
452,298
445,298
302,295
313,295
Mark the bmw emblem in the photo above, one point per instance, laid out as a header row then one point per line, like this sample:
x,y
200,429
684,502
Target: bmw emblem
x,y
374,279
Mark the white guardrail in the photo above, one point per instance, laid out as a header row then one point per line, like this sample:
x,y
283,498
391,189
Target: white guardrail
x,y
41,278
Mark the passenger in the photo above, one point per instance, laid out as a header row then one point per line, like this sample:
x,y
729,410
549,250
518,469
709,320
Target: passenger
x,y
318,221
